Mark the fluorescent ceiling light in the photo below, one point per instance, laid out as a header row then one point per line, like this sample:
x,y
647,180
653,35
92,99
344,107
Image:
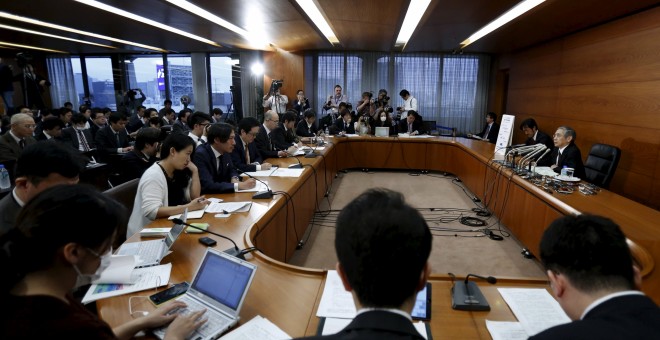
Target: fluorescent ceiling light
x,y
52,36
144,20
314,13
511,14
73,30
4,43
413,16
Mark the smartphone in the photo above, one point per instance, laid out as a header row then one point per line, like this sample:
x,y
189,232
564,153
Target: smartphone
x,y
169,293
422,308
207,241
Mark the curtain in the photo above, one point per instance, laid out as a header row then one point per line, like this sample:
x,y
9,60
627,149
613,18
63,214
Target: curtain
x,y
63,87
251,90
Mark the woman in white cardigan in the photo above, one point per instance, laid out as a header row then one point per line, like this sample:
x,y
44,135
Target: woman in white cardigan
x,y
169,186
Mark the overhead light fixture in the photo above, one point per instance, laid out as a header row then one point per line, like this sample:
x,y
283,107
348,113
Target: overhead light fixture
x,y
416,10
52,36
73,30
257,69
141,19
313,11
4,43
511,14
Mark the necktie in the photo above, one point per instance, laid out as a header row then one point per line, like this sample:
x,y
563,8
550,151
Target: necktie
x,y
409,127
219,164
83,141
558,156
247,154
21,143
117,136
487,132
270,143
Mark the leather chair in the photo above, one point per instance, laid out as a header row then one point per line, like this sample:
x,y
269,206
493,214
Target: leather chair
x,y
601,164
124,194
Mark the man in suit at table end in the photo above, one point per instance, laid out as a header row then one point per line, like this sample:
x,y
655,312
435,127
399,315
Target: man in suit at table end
x,y
566,153
592,276
383,246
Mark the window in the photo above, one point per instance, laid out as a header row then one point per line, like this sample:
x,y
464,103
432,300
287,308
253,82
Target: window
x,y
221,82
459,86
146,73
100,82
331,72
180,81
77,81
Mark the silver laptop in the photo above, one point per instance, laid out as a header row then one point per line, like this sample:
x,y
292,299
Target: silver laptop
x,y
219,286
150,253
382,131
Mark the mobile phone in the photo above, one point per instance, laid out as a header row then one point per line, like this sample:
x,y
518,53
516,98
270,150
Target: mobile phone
x,y
169,293
422,308
207,241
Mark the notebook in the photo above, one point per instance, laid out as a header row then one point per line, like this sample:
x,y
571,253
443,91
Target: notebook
x,y
150,253
382,131
219,286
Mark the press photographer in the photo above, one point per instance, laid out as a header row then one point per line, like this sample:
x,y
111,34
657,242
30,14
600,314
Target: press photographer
x,y
32,84
274,100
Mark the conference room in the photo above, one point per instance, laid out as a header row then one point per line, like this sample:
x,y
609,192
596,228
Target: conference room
x,y
588,65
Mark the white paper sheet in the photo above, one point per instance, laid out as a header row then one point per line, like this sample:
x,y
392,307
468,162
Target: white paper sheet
x,y
286,172
336,302
259,328
506,330
229,207
535,308
144,278
258,187
191,215
545,171
119,271
262,173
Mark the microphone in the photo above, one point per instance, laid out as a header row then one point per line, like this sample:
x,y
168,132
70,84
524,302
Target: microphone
x,y
543,155
236,252
295,166
514,146
468,296
261,194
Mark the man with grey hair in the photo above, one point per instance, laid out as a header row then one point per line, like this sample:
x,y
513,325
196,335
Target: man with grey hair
x,y
20,134
264,139
565,153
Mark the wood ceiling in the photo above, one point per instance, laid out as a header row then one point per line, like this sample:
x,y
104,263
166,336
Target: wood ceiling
x,y
360,25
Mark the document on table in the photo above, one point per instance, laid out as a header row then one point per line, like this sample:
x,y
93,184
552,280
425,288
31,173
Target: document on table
x,y
535,308
286,172
258,187
545,171
191,215
261,173
229,207
336,302
119,271
506,330
259,328
335,325
144,278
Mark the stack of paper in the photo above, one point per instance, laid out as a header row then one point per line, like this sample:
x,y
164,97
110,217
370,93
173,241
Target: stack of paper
x,y
228,207
259,328
142,278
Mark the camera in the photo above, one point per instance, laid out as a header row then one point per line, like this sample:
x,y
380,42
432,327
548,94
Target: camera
x,y
388,109
23,59
275,85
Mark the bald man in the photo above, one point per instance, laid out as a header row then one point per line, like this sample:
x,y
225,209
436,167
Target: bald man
x,y
19,136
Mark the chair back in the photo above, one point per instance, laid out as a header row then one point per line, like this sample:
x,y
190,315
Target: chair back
x,y
601,164
124,194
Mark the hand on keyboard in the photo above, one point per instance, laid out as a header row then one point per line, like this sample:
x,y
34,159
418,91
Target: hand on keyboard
x,y
185,324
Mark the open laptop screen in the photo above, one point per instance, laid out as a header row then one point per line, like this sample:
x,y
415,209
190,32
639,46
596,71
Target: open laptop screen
x,y
176,230
222,279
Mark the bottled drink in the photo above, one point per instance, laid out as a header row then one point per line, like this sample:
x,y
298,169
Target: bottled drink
x,y
5,183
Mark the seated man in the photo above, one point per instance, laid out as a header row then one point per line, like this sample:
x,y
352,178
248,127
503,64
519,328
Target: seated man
x,y
592,276
264,140
134,163
113,139
245,156
181,124
369,249
284,136
39,167
77,136
343,125
534,135
216,170
491,129
19,136
412,125
566,154
306,126
51,129
197,122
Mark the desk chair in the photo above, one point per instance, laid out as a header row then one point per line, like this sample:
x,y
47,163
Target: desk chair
x,y
642,259
429,126
601,164
125,194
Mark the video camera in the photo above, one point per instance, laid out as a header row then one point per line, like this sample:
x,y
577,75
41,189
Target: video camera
x,y
23,59
275,85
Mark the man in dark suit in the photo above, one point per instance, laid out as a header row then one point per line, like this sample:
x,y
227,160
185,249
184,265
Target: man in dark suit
x,y
98,122
39,167
181,124
307,127
77,136
491,129
565,153
19,136
412,125
217,173
250,160
284,136
343,125
264,138
113,139
51,129
134,163
383,273
594,280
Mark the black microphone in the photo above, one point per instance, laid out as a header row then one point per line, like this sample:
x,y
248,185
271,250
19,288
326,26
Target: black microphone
x,y
236,252
468,296
515,146
295,166
489,279
261,194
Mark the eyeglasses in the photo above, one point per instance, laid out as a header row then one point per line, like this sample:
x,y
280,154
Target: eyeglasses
x,y
30,126
253,134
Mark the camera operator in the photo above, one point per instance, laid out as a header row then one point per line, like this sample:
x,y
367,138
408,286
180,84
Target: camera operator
x,y
367,106
409,103
133,102
301,104
334,100
32,84
274,100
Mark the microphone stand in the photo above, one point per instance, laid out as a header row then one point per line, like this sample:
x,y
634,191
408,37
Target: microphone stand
x,y
468,296
261,194
235,251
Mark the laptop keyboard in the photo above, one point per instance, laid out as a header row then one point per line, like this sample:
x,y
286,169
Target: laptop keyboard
x,y
147,251
215,321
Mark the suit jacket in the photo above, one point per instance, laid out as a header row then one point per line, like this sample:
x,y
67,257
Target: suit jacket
x,y
340,126
133,164
212,179
282,138
42,137
238,156
180,127
416,126
70,137
376,325
571,158
542,138
93,128
106,141
303,131
624,317
264,144
492,134
9,209
9,148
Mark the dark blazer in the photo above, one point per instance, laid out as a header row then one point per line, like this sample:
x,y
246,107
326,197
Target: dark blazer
x,y
9,149
42,137
9,209
70,137
212,179
282,139
416,126
340,126
133,164
105,140
492,134
376,325
300,108
624,317
180,127
542,138
93,128
571,158
264,144
303,131
238,156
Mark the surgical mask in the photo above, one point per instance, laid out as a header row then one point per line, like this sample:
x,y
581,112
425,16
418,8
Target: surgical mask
x,y
383,118
85,279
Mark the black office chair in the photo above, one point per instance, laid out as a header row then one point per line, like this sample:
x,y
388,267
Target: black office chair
x,y
429,126
601,164
125,194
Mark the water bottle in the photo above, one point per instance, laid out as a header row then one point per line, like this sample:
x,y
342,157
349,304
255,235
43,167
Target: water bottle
x,y
327,131
564,171
5,183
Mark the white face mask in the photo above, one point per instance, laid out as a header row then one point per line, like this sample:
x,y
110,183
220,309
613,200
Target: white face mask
x,y
383,118
85,279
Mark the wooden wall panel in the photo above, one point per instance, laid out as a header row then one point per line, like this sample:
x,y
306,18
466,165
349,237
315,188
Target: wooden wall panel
x,y
285,66
604,83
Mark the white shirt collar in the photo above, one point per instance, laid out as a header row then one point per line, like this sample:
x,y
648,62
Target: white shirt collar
x,y
535,134
561,150
47,135
215,152
608,297
14,136
391,310
18,200
265,127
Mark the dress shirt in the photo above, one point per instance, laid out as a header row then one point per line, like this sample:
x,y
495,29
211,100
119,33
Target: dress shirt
x,y
277,103
199,140
18,200
217,166
561,150
247,155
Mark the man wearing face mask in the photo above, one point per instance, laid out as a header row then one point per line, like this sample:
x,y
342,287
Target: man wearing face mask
x,y
52,251
77,136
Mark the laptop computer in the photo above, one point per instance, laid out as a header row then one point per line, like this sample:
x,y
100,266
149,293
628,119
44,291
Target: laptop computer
x,y
219,286
150,253
382,131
